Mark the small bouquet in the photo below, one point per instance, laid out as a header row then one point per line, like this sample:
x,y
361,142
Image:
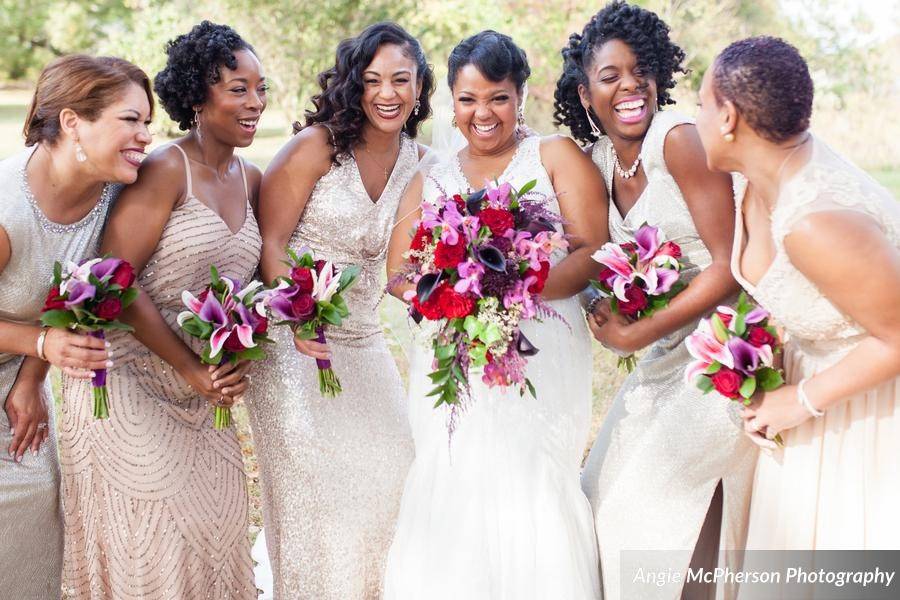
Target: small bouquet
x,y
479,263
310,300
734,352
89,297
639,277
231,320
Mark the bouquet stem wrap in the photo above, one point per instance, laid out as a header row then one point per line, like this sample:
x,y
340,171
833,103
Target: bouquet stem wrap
x,y
329,384
222,414
98,383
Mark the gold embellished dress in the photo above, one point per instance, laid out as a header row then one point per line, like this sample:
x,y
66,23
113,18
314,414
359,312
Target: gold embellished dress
x,y
155,499
664,446
332,469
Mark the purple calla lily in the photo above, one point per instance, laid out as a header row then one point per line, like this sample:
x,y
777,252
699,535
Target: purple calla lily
x,y
79,292
212,311
105,268
648,241
746,357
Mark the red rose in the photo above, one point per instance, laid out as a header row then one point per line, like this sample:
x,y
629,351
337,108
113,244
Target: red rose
x,y
303,306
420,238
447,256
123,275
319,265
726,318
605,275
629,247
497,220
431,308
455,305
727,382
460,203
758,336
233,343
262,326
53,301
538,286
637,301
109,309
303,277
671,249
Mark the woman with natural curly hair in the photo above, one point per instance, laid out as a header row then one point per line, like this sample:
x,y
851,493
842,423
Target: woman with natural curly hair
x,y
818,246
333,468
670,469
155,497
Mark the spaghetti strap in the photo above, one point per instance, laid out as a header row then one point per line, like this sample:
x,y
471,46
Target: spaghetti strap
x,y
244,177
187,171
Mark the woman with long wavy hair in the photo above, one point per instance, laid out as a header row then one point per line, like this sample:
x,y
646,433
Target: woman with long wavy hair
x,y
333,468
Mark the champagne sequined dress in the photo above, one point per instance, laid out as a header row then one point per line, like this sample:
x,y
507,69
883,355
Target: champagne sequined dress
x,y
332,469
664,446
835,484
31,532
155,498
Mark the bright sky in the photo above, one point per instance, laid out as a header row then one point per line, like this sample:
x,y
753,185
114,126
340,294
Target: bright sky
x,y
884,15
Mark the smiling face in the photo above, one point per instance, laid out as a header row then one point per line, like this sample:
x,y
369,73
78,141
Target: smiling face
x,y
390,88
235,103
485,110
114,144
621,93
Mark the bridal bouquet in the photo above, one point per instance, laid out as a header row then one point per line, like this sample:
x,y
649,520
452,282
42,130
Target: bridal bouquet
x,y
232,322
734,352
309,301
639,277
89,297
479,263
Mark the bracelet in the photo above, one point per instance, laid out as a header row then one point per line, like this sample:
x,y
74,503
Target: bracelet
x,y
803,399
593,304
40,344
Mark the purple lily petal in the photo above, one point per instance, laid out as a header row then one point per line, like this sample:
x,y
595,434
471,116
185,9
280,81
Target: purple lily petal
x,y
648,241
746,357
282,308
217,340
79,292
756,315
665,279
105,267
212,311
244,314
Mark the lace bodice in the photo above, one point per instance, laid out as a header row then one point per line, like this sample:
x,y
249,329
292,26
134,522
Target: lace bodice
x,y
827,182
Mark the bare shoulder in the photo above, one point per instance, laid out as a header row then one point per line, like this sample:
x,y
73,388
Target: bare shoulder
x,y
164,172
309,150
559,151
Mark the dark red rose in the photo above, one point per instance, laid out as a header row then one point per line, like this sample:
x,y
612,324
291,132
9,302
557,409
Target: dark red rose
x,y
460,203
303,277
637,301
498,220
233,343
758,336
727,382
123,275
629,247
605,274
319,265
726,318
420,238
671,249
53,301
431,309
203,295
455,305
262,326
303,306
109,309
538,286
447,256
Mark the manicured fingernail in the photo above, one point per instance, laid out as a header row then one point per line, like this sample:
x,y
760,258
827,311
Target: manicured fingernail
x,y
93,374
109,354
19,458
217,384
107,344
12,431
109,364
34,452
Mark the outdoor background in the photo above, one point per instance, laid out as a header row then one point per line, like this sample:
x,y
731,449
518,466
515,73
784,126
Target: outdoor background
x,y
852,49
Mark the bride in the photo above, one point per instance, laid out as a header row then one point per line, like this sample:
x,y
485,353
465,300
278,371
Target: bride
x,y
499,513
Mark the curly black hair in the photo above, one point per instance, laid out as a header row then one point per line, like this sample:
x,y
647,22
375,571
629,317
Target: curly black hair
x,y
338,105
648,37
768,82
495,55
193,65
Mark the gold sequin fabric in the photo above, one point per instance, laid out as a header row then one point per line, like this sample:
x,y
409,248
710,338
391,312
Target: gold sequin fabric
x,y
31,532
332,469
155,499
664,446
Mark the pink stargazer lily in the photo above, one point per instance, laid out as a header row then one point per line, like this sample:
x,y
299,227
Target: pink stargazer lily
x,y
706,347
325,284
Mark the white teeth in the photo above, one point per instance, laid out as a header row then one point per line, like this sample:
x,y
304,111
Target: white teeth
x,y
388,111
248,123
485,128
629,105
134,156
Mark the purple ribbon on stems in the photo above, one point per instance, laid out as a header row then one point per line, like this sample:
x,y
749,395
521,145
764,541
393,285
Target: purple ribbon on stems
x,y
329,384
101,395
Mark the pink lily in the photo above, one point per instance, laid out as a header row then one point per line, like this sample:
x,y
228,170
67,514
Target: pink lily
x,y
470,273
612,256
648,240
705,347
326,283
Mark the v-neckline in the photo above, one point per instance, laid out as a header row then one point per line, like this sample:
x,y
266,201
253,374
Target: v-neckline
x,y
387,184
504,175
219,217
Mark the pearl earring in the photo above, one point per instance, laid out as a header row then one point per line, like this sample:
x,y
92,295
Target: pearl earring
x,y
416,108
727,135
80,156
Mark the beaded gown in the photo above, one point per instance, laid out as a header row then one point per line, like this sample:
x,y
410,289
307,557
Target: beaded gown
x,y
31,531
332,469
497,512
835,484
155,498
664,446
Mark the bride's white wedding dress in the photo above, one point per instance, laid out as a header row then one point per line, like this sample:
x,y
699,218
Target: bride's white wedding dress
x,y
497,513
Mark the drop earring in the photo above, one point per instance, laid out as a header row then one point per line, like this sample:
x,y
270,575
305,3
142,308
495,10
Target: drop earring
x,y
80,156
520,117
594,129
416,108
196,125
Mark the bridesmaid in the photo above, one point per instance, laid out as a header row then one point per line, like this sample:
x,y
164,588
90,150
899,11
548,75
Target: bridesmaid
x,y
155,498
85,134
817,243
333,468
664,448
